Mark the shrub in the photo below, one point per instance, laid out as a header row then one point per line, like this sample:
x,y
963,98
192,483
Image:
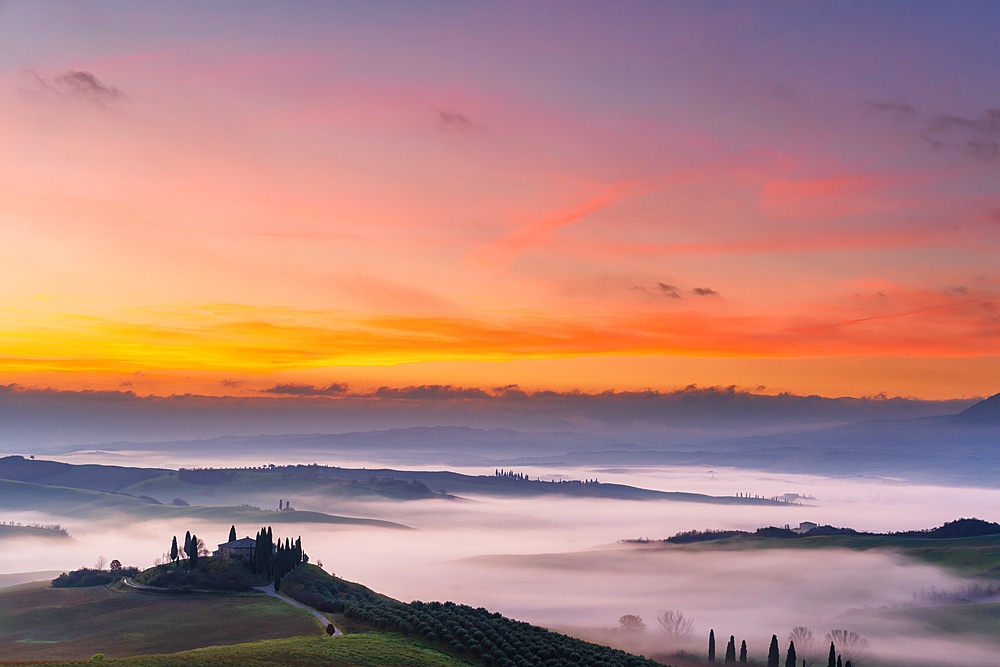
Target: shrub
x,y
88,577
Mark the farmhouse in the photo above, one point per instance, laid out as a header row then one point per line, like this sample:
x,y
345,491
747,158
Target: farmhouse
x,y
242,549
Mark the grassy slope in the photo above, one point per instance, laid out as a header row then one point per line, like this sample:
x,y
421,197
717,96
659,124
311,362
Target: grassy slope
x,y
42,623
80,503
31,531
259,488
457,483
360,650
970,557
263,487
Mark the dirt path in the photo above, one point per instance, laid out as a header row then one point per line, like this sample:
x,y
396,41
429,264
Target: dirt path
x,y
139,587
269,590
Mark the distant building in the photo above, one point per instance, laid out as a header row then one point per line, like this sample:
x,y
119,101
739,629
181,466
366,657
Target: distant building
x,y
805,527
237,549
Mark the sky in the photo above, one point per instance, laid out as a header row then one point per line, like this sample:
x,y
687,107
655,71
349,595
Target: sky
x,y
221,198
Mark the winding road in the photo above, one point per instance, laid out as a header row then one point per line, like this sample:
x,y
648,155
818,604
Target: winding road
x,y
269,590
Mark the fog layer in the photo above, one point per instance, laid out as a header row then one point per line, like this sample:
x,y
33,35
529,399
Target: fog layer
x,y
555,562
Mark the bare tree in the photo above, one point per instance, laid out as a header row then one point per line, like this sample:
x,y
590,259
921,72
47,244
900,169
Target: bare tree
x,y
631,623
101,562
674,624
806,644
202,549
852,646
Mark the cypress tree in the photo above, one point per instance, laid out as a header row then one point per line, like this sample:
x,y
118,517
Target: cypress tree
x,y
731,650
773,655
839,663
173,550
790,661
187,544
848,664
232,534
832,662
743,651
256,554
711,645
277,582
269,550
193,556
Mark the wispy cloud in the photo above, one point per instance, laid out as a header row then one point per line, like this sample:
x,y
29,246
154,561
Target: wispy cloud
x,y
667,290
457,121
977,137
88,86
896,109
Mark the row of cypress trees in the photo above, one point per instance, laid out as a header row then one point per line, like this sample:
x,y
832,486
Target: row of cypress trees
x,y
190,550
276,559
773,653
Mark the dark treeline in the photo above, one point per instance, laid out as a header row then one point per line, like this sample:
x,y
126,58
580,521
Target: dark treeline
x,y
275,559
521,477
773,653
959,528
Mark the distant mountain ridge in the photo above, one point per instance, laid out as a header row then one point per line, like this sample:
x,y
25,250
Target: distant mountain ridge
x,y
986,412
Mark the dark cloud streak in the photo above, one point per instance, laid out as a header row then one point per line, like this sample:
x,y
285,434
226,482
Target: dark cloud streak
x,y
458,121
670,291
88,86
295,389
977,137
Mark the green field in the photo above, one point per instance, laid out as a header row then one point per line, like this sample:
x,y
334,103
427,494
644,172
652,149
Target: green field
x,y
360,650
42,623
969,557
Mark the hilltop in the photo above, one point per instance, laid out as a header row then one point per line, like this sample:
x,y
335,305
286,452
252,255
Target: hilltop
x,y
44,623
969,547
267,484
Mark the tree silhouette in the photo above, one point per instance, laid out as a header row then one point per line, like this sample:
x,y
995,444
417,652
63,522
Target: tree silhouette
x,y
173,549
790,659
807,647
711,645
731,650
832,662
330,629
116,565
773,655
631,623
232,534
743,651
674,624
853,646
